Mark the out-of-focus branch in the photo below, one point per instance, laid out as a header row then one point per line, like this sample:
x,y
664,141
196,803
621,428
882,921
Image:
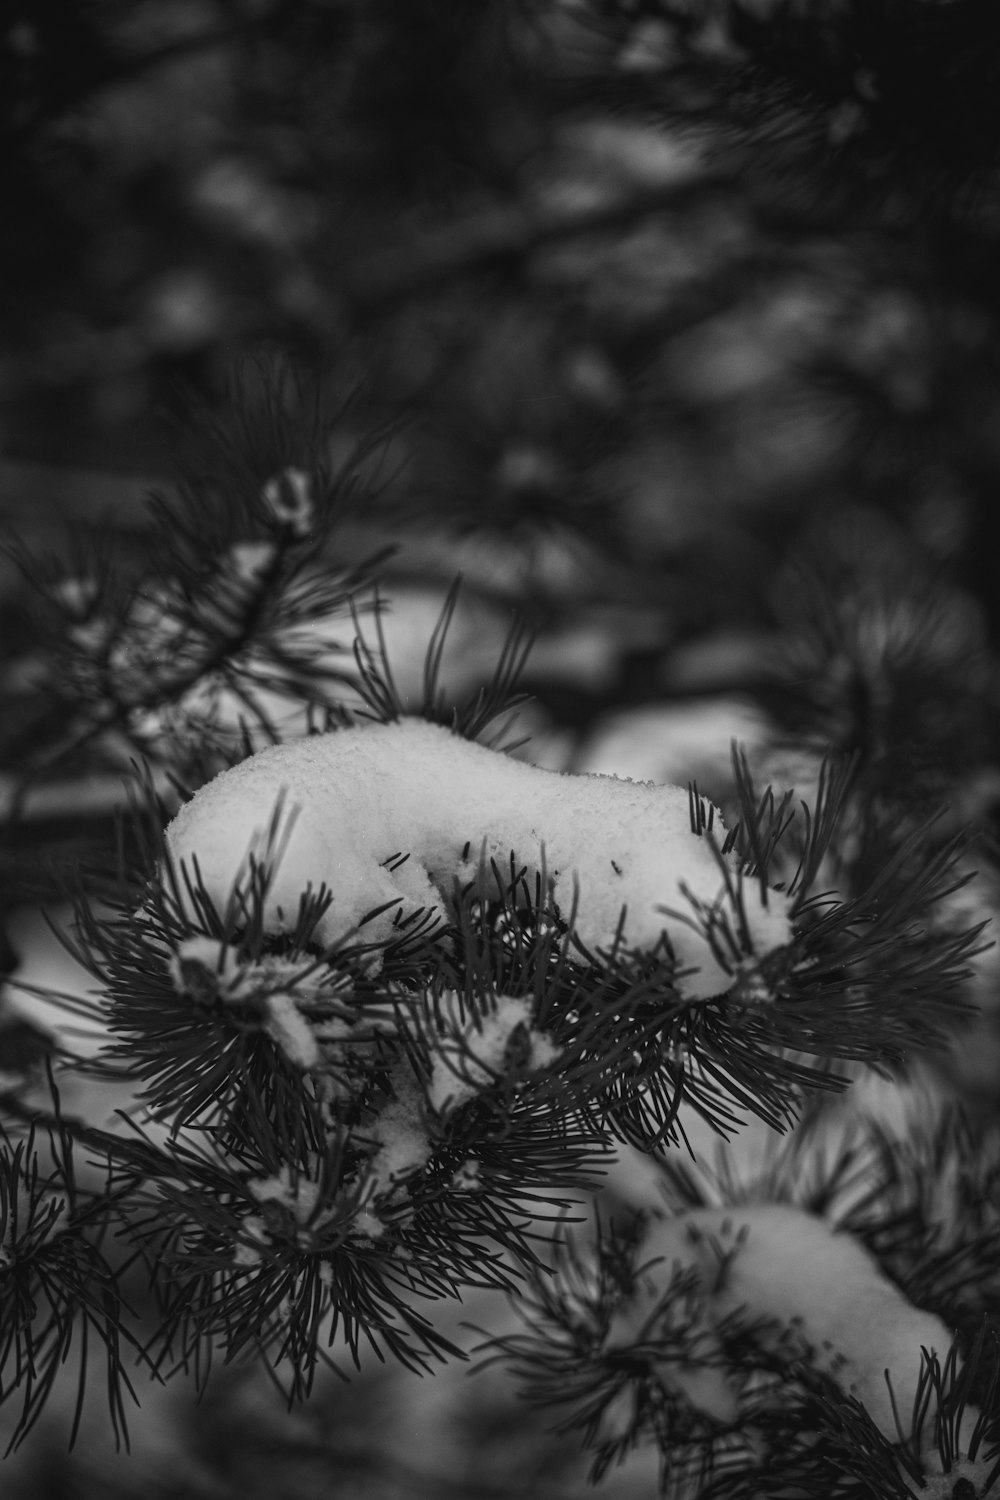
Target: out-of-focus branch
x,y
501,236
363,290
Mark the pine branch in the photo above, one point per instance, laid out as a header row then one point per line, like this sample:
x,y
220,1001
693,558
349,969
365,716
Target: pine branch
x,y
670,1332
57,1287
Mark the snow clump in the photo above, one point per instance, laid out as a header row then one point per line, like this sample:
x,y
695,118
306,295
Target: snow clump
x,y
351,802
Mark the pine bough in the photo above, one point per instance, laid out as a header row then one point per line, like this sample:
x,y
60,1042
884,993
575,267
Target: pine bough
x,y
393,998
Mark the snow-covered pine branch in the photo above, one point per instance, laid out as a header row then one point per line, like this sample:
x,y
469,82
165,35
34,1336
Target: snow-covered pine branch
x,y
809,1295
764,1350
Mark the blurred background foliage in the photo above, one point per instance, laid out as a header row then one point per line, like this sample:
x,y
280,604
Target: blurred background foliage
x,y
672,325
670,280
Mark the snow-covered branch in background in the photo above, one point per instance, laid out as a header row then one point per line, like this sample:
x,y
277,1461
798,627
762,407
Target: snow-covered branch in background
x,y
813,1294
764,1349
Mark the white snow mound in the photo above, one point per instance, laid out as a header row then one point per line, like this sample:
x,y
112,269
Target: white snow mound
x,y
353,799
